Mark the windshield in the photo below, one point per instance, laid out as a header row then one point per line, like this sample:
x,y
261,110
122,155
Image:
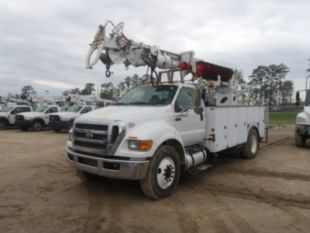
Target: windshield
x,y
40,109
149,95
6,109
307,102
74,108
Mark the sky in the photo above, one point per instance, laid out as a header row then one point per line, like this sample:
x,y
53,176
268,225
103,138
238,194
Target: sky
x,y
44,43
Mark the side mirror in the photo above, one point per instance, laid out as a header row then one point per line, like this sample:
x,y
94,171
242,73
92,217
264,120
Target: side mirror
x,y
298,98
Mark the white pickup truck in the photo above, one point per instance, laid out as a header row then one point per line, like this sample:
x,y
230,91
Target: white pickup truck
x,y
36,120
64,120
154,133
8,114
302,130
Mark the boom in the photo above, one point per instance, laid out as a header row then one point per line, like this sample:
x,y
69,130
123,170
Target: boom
x,y
113,47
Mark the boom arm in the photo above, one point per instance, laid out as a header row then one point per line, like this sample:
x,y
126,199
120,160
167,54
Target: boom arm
x,y
114,47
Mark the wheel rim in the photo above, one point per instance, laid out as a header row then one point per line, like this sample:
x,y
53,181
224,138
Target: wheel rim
x,y
37,126
165,173
253,143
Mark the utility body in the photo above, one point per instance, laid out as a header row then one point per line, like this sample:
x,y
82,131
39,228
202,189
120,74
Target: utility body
x,y
157,131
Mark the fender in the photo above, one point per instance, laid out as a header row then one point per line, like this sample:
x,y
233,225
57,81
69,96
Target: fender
x,y
158,131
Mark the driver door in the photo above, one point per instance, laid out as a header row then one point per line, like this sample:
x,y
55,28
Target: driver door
x,y
190,125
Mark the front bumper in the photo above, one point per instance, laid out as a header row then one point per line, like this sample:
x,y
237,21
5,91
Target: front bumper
x,y
303,130
108,167
59,125
24,123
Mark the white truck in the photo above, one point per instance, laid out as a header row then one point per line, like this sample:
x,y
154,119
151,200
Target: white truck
x,y
64,120
36,120
155,132
302,129
8,114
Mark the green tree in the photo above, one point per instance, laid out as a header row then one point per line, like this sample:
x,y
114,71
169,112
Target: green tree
x,y
88,89
287,92
27,91
107,91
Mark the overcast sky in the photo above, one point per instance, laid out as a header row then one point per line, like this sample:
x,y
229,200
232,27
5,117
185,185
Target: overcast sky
x,y
44,43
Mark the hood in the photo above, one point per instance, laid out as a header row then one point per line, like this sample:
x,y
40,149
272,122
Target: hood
x,y
4,114
125,114
67,114
32,114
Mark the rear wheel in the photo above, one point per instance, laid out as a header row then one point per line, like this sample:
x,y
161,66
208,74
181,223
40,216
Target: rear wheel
x,y
3,124
300,141
163,174
37,125
251,146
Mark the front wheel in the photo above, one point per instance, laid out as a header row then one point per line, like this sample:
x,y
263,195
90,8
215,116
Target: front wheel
x,y
37,125
163,174
300,141
2,124
251,147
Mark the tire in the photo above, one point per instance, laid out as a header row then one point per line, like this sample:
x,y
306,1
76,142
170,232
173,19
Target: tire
x,y
300,141
163,174
252,145
3,124
37,125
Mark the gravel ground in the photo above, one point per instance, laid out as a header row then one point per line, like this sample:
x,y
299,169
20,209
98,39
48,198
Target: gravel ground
x,y
40,192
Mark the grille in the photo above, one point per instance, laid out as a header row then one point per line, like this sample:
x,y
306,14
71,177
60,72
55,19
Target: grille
x,y
20,118
55,118
91,136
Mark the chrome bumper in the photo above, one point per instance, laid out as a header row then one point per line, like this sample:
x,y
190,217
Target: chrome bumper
x,y
113,168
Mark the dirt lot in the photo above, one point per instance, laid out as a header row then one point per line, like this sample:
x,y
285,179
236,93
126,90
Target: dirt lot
x,y
40,192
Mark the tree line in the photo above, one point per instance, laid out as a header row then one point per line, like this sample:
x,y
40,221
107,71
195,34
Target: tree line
x,y
267,85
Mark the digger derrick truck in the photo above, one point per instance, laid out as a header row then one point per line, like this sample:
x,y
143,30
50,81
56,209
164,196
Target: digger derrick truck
x,y
157,131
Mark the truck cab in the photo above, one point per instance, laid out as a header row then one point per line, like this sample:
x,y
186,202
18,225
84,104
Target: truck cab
x,y
8,114
153,133
64,120
38,119
302,129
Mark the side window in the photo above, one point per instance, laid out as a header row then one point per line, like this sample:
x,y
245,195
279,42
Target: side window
x,y
86,109
26,109
16,111
184,99
52,110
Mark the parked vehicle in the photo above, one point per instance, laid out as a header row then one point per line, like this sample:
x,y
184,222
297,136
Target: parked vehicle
x,y
302,129
8,114
64,120
155,132
37,119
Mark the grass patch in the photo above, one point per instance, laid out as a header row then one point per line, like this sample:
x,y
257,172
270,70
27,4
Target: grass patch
x,y
282,117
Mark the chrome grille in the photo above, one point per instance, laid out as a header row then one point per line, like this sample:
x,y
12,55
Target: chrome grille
x,y
92,137
55,118
20,118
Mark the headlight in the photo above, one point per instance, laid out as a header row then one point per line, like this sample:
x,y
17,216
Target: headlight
x,y
301,120
70,136
140,145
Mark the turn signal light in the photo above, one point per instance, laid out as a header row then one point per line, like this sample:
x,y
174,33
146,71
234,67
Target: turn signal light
x,y
138,145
